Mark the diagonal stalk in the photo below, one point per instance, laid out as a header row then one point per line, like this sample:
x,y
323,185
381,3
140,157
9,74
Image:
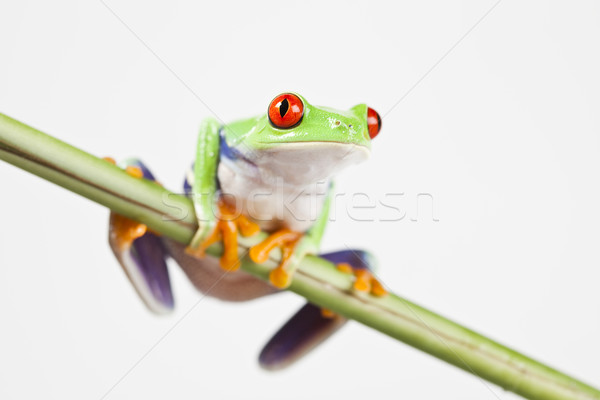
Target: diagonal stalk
x,y
317,280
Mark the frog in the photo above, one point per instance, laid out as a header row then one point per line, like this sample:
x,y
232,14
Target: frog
x,y
269,173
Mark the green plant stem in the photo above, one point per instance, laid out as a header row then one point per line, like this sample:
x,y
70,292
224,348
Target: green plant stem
x,y
317,280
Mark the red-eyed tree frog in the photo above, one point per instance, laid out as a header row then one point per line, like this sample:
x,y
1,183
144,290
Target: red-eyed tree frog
x,y
271,173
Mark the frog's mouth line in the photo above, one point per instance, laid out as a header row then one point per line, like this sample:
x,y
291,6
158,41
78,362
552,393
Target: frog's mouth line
x,y
317,141
329,143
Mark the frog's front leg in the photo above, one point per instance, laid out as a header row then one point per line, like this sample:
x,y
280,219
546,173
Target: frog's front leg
x,y
294,246
215,223
228,224
204,186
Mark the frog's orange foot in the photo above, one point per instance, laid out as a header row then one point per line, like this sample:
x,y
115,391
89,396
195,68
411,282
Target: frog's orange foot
x,y
132,170
286,240
364,281
125,229
226,229
140,251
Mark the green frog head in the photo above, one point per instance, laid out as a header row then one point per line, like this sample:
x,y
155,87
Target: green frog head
x,y
303,143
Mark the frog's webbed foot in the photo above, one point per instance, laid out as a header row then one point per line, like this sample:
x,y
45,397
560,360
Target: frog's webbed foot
x,y
361,265
228,224
312,325
141,252
288,241
364,281
126,230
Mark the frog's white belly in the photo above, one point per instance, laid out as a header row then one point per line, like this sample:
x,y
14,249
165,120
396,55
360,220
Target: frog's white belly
x,y
271,202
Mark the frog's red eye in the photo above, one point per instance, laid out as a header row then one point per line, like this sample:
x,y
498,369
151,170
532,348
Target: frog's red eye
x,y
373,122
286,111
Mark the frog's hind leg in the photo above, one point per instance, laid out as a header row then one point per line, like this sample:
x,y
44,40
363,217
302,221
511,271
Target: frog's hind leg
x,y
303,332
141,253
311,325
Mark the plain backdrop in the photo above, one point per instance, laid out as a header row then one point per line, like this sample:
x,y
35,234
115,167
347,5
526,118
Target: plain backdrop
x,y
495,119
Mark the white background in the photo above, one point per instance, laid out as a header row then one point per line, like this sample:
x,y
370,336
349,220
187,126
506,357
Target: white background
x,y
503,132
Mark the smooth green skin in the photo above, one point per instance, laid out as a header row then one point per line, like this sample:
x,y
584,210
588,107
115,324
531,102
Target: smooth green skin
x,y
205,183
249,136
318,125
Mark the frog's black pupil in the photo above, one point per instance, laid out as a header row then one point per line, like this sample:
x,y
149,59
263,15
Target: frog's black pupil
x,y
283,108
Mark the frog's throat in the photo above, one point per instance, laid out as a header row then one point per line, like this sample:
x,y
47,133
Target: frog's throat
x,y
299,163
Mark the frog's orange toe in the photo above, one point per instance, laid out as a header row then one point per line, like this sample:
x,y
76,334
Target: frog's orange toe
x,y
226,229
361,285
126,230
229,259
345,267
134,171
377,288
364,281
279,278
286,240
229,263
258,254
247,227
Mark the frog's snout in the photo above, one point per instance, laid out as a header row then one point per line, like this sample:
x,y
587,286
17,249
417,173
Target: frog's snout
x,y
337,123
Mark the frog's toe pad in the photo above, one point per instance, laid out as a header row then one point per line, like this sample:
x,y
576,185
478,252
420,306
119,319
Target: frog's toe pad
x,y
287,240
302,333
364,281
229,223
280,278
361,264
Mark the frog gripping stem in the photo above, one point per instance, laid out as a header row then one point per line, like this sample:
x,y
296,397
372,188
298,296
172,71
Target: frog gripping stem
x,y
286,240
141,253
316,278
229,223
